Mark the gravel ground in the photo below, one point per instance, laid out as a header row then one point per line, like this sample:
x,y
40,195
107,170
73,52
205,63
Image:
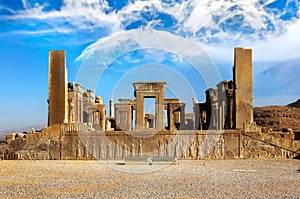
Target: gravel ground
x,y
189,179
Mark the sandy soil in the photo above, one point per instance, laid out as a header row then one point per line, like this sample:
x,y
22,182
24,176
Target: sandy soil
x,y
189,179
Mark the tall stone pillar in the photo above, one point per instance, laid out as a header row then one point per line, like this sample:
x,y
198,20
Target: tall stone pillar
x,y
159,111
229,121
58,88
170,111
222,88
242,77
140,115
111,108
182,125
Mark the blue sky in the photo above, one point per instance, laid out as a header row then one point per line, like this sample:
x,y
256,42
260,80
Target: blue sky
x,y
30,28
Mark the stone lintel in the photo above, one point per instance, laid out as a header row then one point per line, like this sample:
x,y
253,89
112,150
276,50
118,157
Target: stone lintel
x,y
149,86
177,105
171,100
125,101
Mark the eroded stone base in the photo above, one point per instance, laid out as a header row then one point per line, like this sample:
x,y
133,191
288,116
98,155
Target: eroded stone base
x,y
54,143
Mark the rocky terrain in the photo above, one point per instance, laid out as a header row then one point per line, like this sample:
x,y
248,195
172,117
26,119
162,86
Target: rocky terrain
x,y
279,118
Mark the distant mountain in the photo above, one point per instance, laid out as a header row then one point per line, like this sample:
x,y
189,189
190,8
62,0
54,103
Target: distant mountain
x,y
295,104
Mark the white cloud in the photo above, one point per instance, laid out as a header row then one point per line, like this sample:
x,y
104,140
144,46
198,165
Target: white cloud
x,y
274,48
127,41
190,17
7,9
79,14
26,4
40,32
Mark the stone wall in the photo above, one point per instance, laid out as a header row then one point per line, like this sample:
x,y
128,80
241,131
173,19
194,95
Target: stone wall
x,y
57,143
3,149
269,145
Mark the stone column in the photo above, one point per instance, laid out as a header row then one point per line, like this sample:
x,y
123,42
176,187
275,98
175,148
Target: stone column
x,y
182,116
58,90
139,118
229,109
196,110
242,76
111,108
102,117
171,117
222,87
159,111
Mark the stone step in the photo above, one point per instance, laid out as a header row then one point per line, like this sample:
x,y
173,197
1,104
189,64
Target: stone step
x,y
133,160
164,160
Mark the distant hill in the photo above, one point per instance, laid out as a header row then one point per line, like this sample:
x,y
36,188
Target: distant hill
x,y
279,117
295,104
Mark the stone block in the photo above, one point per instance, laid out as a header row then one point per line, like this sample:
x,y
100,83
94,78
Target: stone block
x,y
164,160
137,160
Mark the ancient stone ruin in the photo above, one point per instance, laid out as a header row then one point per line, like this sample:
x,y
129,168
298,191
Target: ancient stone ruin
x,y
221,127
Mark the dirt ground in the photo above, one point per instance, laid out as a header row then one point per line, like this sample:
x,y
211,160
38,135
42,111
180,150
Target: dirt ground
x,y
113,179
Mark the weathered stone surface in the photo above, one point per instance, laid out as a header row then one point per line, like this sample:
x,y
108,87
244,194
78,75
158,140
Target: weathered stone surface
x,y
266,145
3,149
58,93
242,78
185,144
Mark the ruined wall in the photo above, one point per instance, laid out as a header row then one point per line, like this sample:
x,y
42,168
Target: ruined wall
x,y
269,145
57,84
181,144
42,145
3,149
61,141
